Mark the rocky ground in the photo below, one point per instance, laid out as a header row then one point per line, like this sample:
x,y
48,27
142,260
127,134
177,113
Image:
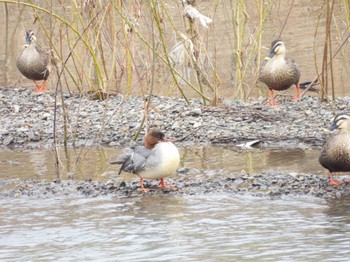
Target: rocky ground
x,y
272,185
27,121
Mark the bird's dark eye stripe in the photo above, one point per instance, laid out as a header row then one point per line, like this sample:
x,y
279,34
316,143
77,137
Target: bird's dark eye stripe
x,y
340,118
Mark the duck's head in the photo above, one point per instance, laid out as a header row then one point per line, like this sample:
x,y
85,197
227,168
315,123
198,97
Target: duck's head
x,y
341,121
30,37
153,137
277,48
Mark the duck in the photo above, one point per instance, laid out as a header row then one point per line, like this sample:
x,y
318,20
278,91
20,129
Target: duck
x,y
279,72
335,153
158,158
33,62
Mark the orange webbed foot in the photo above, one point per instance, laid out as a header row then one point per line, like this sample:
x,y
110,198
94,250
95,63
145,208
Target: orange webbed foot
x,y
295,98
272,103
40,88
334,182
163,185
142,187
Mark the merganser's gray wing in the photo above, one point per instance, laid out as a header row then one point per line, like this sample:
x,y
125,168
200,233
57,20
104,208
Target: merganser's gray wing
x,y
133,160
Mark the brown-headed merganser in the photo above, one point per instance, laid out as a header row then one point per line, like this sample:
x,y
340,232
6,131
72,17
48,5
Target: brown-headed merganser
x,y
157,159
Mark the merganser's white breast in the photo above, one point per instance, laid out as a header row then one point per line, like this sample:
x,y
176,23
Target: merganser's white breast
x,y
162,162
159,162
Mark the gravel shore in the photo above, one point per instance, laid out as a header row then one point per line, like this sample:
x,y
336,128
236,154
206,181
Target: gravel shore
x,y
27,120
27,123
271,185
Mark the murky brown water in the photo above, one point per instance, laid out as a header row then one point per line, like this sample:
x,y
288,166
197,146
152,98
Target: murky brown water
x,y
93,163
172,228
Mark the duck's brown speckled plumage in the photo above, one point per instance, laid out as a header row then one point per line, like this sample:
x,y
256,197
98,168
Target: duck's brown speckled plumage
x,y
33,61
335,153
277,71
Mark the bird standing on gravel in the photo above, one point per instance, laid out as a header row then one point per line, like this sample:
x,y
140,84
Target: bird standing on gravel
x,y
157,159
278,72
33,62
335,154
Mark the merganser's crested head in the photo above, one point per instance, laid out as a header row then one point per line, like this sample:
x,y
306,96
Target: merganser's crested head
x,y
341,121
153,137
277,48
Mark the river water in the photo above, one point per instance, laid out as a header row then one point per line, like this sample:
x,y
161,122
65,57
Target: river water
x,y
210,227
166,228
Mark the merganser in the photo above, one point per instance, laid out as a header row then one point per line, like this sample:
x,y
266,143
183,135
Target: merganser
x,y
157,159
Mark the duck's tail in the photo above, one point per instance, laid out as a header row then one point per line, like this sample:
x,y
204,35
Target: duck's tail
x,y
306,85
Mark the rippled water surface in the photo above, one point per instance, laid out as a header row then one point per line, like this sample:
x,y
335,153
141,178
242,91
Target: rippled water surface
x,y
171,228
168,228
93,163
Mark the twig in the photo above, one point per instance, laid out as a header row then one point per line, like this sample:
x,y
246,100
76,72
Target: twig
x,y
286,20
334,55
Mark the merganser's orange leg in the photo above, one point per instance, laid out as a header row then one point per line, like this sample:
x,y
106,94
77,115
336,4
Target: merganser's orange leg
x,y
40,88
163,185
332,181
272,101
298,96
142,187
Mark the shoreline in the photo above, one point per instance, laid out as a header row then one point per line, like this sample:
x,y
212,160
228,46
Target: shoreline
x,y
27,123
272,185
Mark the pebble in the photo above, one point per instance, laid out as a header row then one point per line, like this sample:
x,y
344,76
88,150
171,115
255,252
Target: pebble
x,y
197,111
16,108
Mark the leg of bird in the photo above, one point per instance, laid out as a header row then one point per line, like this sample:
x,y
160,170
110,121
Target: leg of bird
x,y
272,101
37,86
332,181
298,96
40,88
142,186
163,185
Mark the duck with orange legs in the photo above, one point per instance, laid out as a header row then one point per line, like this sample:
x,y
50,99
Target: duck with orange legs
x,y
158,158
33,62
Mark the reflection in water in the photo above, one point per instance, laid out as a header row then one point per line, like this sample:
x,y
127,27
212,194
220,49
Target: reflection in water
x,y
38,160
168,228
93,163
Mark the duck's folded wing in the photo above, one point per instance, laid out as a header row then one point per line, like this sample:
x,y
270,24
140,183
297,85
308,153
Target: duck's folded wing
x,y
133,160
